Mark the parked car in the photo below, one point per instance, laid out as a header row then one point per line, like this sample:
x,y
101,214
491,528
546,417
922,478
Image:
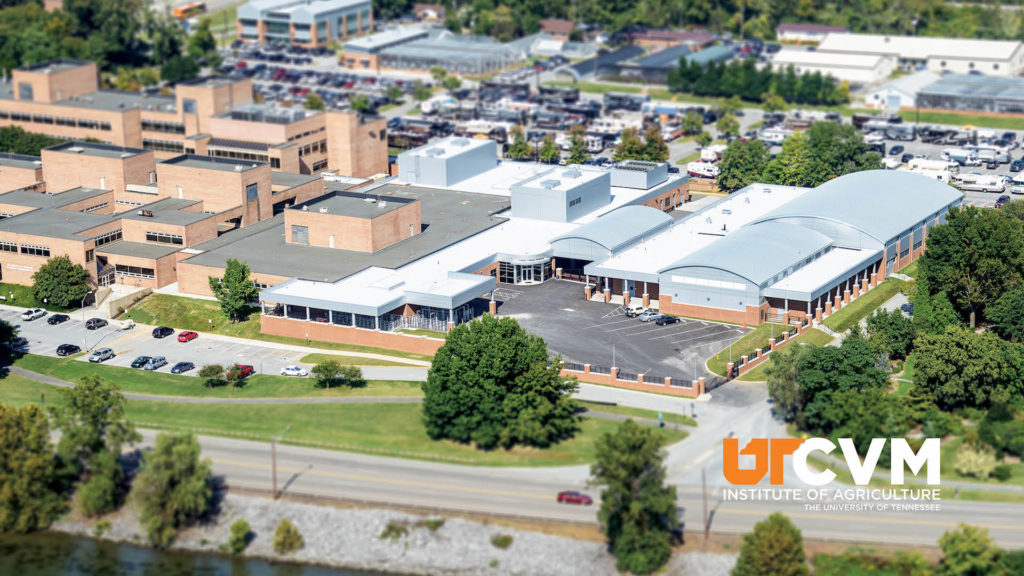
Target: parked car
x,y
155,362
648,316
19,342
101,354
67,350
1002,200
239,371
635,309
187,336
141,361
896,150
574,497
182,367
95,323
907,157
665,320
294,371
57,319
1017,165
33,313
162,332
907,309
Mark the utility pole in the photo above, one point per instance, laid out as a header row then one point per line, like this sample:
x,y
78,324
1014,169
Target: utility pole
x,y
707,526
273,457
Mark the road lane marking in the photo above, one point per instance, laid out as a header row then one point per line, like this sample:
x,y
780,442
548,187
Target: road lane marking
x,y
379,480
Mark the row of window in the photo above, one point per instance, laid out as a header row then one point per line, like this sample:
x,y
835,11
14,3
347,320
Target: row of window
x,y
35,250
134,271
104,239
128,203
59,121
248,156
164,238
168,127
320,146
319,165
575,201
96,207
306,133
300,234
163,145
8,247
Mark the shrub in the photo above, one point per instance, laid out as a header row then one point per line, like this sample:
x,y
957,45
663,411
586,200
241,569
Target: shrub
x,y
240,536
287,538
976,462
1003,472
502,541
432,524
100,527
393,531
212,375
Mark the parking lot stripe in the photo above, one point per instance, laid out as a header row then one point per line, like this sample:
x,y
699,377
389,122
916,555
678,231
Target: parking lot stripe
x,y
701,338
685,332
634,320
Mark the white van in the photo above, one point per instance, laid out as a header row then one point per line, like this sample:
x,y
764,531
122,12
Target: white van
x,y
635,309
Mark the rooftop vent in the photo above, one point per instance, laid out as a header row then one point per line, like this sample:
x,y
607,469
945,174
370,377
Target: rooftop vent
x,y
726,211
125,154
239,167
572,173
76,149
434,152
767,190
305,208
146,213
549,184
37,162
382,205
369,199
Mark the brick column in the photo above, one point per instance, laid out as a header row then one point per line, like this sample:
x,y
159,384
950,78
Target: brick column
x,y
614,372
874,280
558,273
817,314
451,325
856,290
838,303
586,368
828,308
771,343
313,33
625,298
646,300
785,317
758,352
728,369
344,27
588,291
607,295
639,378
846,297
701,386
695,385
668,381
864,285
492,308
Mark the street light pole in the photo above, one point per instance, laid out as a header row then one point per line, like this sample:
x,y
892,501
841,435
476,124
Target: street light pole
x,y
273,456
85,336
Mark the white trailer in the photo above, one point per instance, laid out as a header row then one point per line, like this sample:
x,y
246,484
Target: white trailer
x,y
980,182
961,156
940,175
1017,185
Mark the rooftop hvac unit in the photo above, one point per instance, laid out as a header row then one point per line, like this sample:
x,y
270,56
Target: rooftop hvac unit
x,y
549,184
382,205
76,149
146,213
305,208
323,209
239,167
125,154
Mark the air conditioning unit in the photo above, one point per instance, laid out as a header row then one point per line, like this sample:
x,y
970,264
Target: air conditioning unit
x,y
146,213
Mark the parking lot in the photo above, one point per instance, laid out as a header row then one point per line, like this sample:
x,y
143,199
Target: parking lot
x,y
600,334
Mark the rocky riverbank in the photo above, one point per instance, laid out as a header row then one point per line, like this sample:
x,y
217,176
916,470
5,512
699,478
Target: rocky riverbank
x,y
394,542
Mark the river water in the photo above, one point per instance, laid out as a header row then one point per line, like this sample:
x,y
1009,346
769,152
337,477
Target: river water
x,y
48,554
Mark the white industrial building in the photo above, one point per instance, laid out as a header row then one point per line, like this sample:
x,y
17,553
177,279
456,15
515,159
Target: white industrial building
x,y
899,93
854,68
956,55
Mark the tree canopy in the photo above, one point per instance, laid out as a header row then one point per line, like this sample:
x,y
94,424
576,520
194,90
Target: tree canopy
x,y
173,487
774,548
520,149
578,145
30,498
235,290
638,511
61,282
961,368
15,140
490,384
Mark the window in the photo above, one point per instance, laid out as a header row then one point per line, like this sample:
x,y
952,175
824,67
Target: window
x,y
368,322
134,271
163,238
168,127
25,91
575,201
341,318
188,105
35,250
320,165
104,239
96,207
90,255
163,145
127,203
260,285
275,163
300,234
9,247
251,192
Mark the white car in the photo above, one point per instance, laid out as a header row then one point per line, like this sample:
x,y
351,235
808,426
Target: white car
x,y
33,313
294,371
101,355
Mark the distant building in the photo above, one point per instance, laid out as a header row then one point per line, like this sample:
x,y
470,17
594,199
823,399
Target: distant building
x,y
901,92
805,33
364,53
695,39
655,68
969,92
557,28
854,68
309,23
429,12
957,55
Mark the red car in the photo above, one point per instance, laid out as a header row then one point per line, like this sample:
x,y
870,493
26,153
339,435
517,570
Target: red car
x,y
574,497
187,336
240,371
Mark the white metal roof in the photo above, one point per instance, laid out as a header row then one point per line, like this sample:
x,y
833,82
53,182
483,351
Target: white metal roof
x,y
812,279
801,57
919,47
450,147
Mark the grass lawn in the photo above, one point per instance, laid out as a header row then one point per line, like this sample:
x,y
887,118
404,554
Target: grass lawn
x,y
256,386
1001,122
18,295
195,314
669,417
689,158
949,453
855,564
317,358
850,315
757,338
812,337
597,87
424,332
226,16
664,94
390,429
911,269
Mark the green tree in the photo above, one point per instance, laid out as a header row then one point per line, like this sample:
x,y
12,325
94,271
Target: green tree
x,y
704,139
287,538
212,375
727,125
60,282
179,68
742,164
314,102
420,92
241,535
331,373
578,145
968,551
772,102
791,166
519,149
451,83
28,472
490,384
961,368
202,41
691,123
359,103
891,333
125,80
173,487
549,152
15,140
103,490
147,76
438,73
825,371
655,148
932,312
782,377
165,39
235,290
394,94
774,548
638,510
1006,314
630,147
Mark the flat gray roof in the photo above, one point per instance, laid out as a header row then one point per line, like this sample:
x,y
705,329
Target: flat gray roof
x,y
353,204
965,85
169,211
39,200
291,180
105,100
211,163
447,217
138,249
63,224
23,161
57,65
97,149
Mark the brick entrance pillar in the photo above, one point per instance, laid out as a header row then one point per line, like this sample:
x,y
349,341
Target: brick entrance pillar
x,y
817,314
607,295
492,308
625,298
588,291
647,300
828,308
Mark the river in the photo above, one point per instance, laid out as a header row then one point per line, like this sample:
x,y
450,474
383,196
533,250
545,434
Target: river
x,y
49,554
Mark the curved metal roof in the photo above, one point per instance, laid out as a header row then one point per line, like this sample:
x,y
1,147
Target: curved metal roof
x,y
620,227
880,203
757,252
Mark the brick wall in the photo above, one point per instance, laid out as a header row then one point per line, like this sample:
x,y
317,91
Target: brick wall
x,y
348,335
12,178
65,170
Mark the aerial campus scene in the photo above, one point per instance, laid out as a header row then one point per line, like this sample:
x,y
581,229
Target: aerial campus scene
x,y
354,287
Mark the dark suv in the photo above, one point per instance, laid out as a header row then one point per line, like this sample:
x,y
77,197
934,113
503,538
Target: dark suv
x,y
95,323
162,332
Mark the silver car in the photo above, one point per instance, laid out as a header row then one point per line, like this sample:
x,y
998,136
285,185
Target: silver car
x,y
33,313
101,354
155,362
